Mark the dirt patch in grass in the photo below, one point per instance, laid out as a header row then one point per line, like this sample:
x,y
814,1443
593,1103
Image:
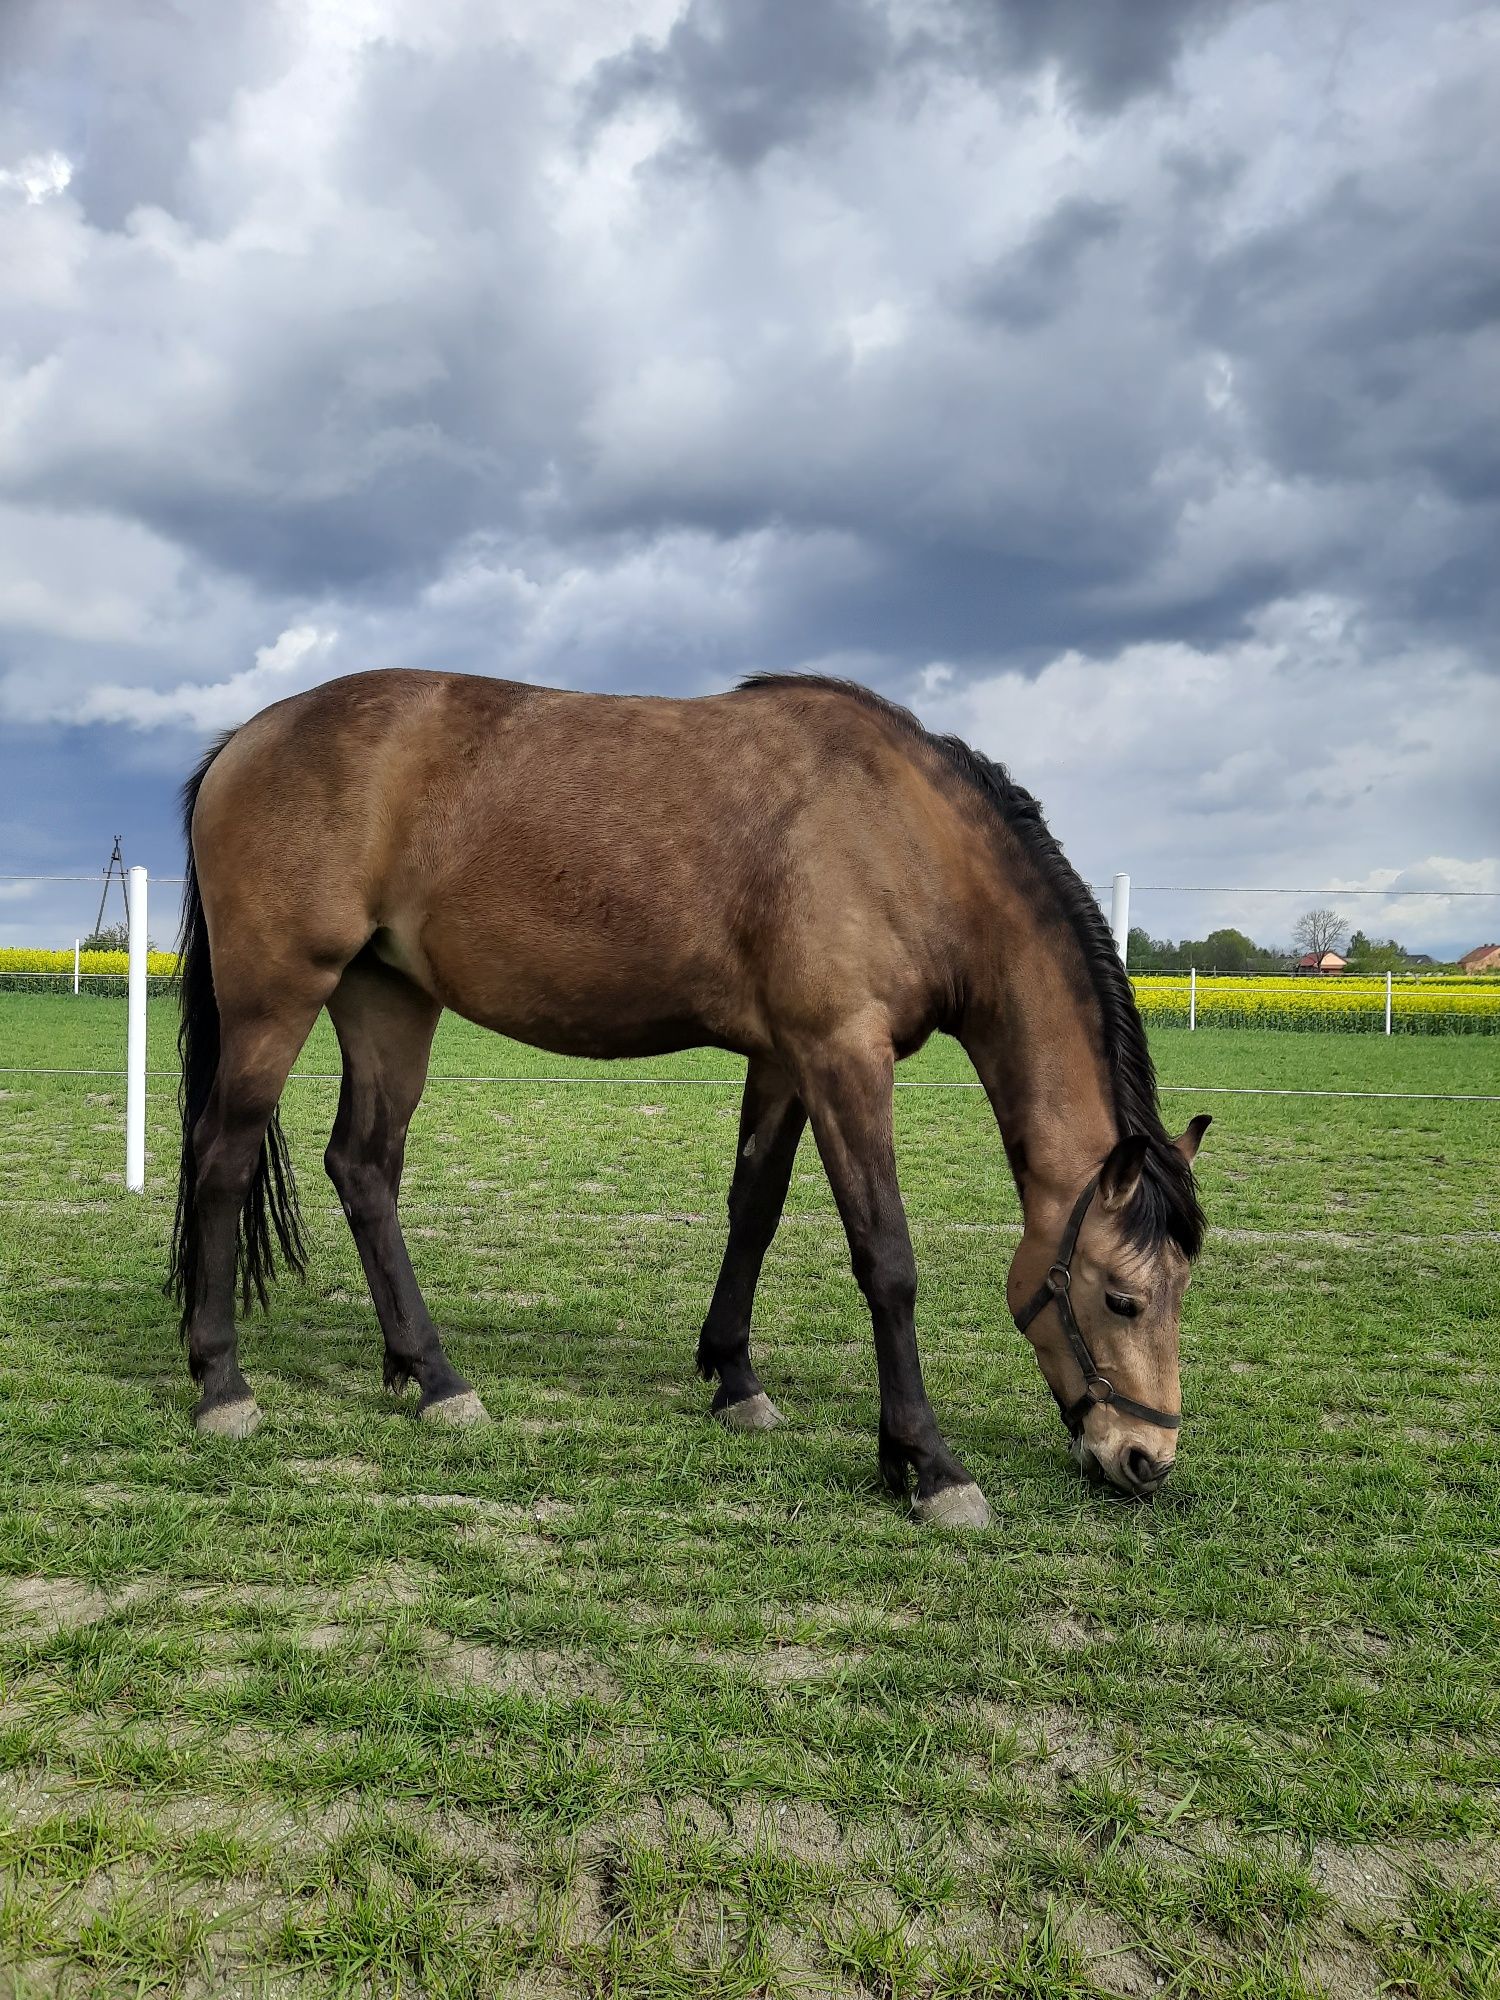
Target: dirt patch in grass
x,y
45,1604
1365,1880
563,1676
1109,1952
1361,1640
786,1665
1345,1974
806,1830
335,1471
467,1503
1062,1742
403,1583
325,1638
1071,1631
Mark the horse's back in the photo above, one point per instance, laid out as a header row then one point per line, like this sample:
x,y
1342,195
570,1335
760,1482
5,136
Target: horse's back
x,y
593,872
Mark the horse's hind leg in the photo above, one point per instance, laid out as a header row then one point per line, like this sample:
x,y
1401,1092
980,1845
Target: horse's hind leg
x,y
258,1043
771,1121
385,1027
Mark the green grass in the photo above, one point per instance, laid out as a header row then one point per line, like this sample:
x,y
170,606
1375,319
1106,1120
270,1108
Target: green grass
x,y
605,1701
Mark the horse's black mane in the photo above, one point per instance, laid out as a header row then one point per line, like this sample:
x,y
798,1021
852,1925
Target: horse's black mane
x,y
1166,1203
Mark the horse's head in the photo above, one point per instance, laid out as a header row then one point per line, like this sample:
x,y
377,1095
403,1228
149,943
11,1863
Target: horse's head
x,y
1099,1296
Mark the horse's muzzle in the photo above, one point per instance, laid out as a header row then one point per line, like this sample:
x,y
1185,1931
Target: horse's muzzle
x,y
1132,1470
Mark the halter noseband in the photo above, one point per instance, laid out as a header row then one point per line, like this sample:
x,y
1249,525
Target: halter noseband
x,y
1056,1287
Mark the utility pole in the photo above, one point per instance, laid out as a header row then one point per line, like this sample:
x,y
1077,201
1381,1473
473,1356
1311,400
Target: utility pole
x,y
116,859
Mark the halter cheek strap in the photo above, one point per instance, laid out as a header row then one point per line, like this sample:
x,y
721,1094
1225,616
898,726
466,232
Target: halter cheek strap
x,y
1056,1289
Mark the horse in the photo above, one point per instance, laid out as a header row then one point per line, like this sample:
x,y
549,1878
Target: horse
x,y
795,871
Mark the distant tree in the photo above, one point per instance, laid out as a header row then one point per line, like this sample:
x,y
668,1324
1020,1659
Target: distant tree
x,y
1268,959
1142,952
1317,931
113,937
1227,951
1202,953
1376,955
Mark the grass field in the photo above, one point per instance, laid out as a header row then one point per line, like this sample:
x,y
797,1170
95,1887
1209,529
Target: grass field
x,y
603,1700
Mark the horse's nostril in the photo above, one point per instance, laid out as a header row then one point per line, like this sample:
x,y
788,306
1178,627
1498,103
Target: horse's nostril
x,y
1142,1470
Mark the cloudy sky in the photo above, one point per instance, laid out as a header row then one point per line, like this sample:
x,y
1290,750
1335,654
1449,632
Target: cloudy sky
x,y
1118,384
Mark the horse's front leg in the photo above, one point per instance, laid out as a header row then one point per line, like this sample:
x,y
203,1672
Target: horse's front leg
x,y
848,1093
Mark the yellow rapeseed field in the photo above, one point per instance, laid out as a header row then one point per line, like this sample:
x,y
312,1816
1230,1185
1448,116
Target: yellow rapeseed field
x,y
160,964
1438,1004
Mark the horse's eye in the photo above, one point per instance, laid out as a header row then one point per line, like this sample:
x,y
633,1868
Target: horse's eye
x,y
1118,1303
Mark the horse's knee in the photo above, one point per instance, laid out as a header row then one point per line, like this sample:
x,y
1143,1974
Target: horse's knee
x,y
225,1152
339,1167
363,1185
887,1275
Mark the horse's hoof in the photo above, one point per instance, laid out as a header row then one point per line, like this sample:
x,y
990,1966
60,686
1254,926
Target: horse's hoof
x,y
228,1420
954,1507
755,1413
462,1411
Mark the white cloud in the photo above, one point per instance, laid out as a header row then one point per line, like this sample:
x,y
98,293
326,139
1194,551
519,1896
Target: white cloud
x,y
1302,757
39,176
295,656
87,577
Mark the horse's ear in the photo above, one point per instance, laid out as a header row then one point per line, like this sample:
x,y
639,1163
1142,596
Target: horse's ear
x,y
1192,1138
1120,1175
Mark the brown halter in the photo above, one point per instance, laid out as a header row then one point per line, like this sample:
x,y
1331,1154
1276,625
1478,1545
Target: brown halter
x,y
1056,1286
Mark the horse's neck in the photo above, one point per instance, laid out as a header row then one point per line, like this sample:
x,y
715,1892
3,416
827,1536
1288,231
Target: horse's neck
x,y
1034,1041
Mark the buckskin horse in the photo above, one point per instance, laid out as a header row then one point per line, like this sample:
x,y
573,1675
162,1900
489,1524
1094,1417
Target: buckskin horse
x,y
796,871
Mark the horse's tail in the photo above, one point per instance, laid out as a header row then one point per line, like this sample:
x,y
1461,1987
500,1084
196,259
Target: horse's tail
x,y
270,1210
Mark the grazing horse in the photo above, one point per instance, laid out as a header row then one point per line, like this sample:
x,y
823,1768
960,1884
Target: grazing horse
x,y
796,871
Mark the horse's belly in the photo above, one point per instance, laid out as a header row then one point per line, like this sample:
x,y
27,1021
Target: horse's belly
x,y
581,996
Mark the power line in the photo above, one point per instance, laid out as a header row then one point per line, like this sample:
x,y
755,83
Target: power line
x,y
178,879
1099,888
1185,889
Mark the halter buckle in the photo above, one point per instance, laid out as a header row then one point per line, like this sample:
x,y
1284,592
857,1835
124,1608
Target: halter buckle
x,y
1099,1389
1059,1279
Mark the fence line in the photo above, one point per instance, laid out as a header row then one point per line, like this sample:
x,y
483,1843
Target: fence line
x,y
1195,889
737,1083
137,987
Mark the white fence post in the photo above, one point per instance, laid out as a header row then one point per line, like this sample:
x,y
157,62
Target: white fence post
x,y
1192,999
76,943
135,1034
1388,1003
1119,914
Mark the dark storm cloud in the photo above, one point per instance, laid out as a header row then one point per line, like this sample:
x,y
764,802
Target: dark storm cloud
x,y
748,76
1029,286
1366,324
408,352
1107,53
335,405
126,89
1064,360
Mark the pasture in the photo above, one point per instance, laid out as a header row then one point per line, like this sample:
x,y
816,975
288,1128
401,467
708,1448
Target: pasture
x,y
604,1700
